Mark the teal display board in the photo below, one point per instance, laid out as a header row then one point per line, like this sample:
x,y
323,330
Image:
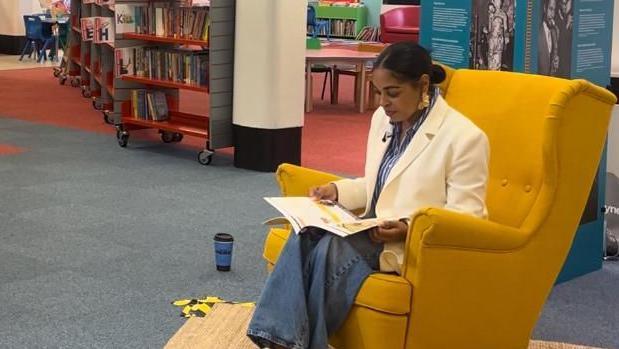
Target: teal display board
x,y
563,38
573,39
477,34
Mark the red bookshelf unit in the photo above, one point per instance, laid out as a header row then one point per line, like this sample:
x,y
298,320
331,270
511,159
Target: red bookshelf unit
x,y
150,65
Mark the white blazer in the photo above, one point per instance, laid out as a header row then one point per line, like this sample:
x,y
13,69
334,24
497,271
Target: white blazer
x,y
445,165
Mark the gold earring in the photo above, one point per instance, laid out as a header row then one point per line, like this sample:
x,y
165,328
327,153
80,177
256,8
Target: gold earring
x,y
425,101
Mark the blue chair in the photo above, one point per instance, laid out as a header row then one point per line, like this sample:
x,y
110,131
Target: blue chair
x,y
37,35
317,25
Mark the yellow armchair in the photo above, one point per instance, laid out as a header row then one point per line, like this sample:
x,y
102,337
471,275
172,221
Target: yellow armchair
x,y
473,283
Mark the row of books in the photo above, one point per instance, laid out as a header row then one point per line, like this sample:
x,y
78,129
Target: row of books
x,y
341,27
368,34
190,23
149,105
176,65
97,29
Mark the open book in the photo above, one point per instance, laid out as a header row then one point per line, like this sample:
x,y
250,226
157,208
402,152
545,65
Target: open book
x,y
301,212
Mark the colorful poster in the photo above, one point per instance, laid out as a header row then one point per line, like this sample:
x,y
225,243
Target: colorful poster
x,y
477,34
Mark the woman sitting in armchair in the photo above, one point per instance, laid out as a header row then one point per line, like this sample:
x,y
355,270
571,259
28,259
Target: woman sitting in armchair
x,y
420,152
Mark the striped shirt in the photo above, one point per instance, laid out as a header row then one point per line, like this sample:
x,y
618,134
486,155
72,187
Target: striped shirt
x,y
395,150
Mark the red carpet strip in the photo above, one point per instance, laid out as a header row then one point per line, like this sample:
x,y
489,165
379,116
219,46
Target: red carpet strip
x,y
7,149
334,136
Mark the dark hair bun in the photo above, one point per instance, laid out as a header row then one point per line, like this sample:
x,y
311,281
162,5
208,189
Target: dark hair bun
x,y
438,74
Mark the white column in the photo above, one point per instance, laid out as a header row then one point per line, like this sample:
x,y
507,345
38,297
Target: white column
x,y
269,63
269,77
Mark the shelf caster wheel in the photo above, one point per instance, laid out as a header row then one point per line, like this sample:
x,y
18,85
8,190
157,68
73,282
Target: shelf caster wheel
x,y
62,80
75,83
178,137
86,93
205,157
107,118
167,137
56,72
96,105
123,138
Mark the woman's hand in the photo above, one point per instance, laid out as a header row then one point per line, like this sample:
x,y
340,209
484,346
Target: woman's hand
x,y
324,192
389,231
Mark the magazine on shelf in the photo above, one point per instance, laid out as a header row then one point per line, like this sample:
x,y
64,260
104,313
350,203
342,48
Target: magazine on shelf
x,y
301,212
104,30
124,18
124,61
88,28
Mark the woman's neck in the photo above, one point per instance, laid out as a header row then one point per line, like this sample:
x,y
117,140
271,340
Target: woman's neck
x,y
408,123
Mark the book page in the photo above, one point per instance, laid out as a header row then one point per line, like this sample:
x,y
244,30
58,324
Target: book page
x,y
304,212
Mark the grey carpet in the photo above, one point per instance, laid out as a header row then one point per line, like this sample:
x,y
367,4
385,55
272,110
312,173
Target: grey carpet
x,y
95,241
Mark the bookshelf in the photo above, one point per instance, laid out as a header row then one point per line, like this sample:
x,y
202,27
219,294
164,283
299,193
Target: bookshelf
x,y
89,62
345,22
176,48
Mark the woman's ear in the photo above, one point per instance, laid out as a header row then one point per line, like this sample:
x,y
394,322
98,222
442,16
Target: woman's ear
x,y
424,83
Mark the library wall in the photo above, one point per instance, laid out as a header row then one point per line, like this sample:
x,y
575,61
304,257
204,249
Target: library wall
x,y
12,22
374,11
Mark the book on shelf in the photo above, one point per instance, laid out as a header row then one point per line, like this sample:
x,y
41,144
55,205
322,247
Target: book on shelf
x,y
124,61
171,64
197,3
124,18
177,22
340,27
88,28
88,1
368,34
104,30
303,212
149,105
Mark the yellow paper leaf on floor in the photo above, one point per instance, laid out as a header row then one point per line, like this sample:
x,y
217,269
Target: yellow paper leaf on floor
x,y
182,302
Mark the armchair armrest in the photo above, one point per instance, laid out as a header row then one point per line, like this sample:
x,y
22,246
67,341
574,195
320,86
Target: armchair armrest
x,y
296,180
436,227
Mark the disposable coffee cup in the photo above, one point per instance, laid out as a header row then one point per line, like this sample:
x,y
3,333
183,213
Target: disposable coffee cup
x,y
223,251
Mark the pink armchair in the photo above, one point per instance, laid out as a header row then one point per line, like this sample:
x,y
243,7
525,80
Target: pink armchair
x,y
400,24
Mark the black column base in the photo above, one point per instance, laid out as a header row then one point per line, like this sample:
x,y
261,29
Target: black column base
x,y
614,87
11,45
264,149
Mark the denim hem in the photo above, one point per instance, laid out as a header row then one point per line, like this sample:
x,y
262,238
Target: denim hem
x,y
265,335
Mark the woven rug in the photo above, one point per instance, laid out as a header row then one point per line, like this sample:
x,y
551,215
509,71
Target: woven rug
x,y
222,328
225,325
555,345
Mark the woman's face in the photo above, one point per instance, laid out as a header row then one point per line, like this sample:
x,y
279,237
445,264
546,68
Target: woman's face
x,y
400,100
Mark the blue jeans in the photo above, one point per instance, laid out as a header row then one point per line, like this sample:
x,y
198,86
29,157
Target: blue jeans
x,y
312,288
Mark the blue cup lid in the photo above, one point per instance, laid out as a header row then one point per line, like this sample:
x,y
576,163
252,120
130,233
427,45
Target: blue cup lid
x,y
223,237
